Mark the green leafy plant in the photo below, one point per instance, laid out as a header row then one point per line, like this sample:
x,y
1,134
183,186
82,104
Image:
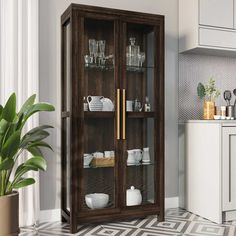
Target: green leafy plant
x,y
13,142
209,91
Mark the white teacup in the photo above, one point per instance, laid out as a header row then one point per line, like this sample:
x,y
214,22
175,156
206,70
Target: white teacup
x,y
138,155
129,105
113,154
98,154
107,154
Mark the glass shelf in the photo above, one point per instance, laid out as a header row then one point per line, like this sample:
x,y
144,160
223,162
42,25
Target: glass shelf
x,y
94,167
140,164
141,114
138,69
92,66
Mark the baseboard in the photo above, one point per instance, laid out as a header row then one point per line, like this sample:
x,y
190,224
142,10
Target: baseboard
x,y
51,215
55,214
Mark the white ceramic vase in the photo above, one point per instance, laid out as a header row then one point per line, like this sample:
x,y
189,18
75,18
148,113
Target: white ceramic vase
x,y
95,103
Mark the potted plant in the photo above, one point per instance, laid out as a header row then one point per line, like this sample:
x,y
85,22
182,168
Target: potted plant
x,y
13,141
209,92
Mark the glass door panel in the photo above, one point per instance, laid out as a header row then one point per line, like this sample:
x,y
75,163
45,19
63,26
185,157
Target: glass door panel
x,y
140,60
139,83
98,191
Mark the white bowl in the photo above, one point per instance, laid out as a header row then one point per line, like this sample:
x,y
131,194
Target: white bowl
x,y
87,159
96,200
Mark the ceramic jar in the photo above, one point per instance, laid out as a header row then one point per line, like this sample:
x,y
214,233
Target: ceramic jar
x,y
146,155
95,103
209,110
133,197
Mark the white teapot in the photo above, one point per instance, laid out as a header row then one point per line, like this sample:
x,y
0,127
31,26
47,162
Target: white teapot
x,y
95,103
133,197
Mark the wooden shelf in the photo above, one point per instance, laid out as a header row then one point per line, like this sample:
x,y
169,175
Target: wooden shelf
x,y
141,114
99,114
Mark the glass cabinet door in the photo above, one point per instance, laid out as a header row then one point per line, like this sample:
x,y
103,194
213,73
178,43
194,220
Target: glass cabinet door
x,y
139,82
99,124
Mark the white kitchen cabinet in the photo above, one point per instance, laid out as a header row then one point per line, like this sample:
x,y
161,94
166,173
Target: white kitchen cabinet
x,y
207,26
207,169
216,13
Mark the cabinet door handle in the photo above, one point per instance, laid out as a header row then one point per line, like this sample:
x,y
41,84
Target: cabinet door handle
x,y
124,115
118,114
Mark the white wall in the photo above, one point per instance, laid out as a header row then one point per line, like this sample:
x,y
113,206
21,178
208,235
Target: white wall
x,y
50,12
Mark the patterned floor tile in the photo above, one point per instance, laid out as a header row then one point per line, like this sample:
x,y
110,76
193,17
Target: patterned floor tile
x,y
178,223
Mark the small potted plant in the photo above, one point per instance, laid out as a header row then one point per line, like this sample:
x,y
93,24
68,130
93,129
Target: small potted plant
x,y
13,141
209,93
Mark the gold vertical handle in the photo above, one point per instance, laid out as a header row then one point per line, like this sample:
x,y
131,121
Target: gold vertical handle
x,y
118,114
124,115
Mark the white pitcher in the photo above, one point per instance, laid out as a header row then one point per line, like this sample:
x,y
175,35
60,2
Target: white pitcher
x,y
131,157
95,103
138,155
146,155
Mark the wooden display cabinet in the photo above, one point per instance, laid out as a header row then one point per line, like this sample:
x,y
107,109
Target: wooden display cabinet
x,y
119,77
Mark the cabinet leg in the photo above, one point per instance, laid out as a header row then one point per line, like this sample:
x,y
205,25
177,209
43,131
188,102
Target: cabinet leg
x,y
161,216
73,228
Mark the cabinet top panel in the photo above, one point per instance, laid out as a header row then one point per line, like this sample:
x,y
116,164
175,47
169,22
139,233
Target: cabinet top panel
x,y
83,9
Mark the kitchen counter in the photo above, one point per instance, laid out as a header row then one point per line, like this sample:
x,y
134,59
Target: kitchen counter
x,y
207,164
223,122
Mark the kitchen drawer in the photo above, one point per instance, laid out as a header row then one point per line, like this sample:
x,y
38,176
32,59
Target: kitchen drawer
x,y
217,38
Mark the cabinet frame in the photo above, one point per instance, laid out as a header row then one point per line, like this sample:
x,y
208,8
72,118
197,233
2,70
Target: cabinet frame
x,y
75,16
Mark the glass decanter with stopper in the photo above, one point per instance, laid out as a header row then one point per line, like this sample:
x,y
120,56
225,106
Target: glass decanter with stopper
x,y
132,53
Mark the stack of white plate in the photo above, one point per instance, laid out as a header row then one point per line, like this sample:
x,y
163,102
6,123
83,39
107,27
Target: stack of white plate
x,y
107,104
96,107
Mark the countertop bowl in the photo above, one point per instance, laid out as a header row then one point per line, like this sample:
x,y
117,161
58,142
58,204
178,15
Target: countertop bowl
x,y
97,200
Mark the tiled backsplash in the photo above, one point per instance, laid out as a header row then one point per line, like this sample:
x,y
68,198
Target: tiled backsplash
x,y
199,68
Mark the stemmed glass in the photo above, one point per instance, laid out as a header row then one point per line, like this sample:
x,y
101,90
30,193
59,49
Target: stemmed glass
x,y
93,50
101,45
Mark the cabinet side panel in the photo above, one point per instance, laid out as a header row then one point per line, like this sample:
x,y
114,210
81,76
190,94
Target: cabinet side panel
x,y
188,24
203,175
182,168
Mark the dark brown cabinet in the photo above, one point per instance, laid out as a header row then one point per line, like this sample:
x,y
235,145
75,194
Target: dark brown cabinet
x,y
114,58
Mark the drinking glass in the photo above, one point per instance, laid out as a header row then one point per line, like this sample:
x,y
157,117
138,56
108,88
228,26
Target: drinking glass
x,y
92,43
95,51
102,44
